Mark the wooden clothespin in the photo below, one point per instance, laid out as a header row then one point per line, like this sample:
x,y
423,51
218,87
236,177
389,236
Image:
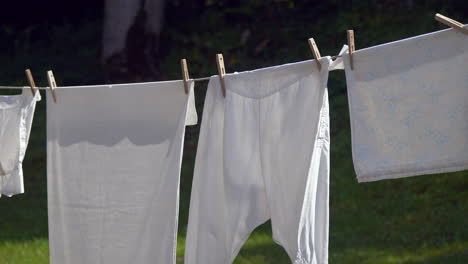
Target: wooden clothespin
x,y
451,23
31,82
351,47
315,52
221,72
185,75
52,84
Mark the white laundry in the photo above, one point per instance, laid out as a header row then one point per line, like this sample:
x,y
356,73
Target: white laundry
x,y
263,154
16,116
408,104
113,162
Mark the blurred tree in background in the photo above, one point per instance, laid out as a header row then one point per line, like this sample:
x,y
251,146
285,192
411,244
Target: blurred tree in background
x,y
130,46
135,42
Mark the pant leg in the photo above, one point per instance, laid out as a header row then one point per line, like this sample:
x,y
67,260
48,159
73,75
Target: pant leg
x,y
294,152
313,225
228,198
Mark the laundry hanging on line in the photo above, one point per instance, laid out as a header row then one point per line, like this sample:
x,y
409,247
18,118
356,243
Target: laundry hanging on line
x,y
101,154
113,171
408,104
263,154
16,116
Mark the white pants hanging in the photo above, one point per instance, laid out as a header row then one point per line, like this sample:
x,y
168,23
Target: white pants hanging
x,y
263,154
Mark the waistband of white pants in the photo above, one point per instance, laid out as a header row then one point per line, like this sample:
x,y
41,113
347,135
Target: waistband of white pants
x,y
267,81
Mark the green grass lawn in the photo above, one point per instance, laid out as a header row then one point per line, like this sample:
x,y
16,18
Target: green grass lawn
x,y
413,220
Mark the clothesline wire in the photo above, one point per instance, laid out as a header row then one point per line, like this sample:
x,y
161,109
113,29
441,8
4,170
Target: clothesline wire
x,y
47,87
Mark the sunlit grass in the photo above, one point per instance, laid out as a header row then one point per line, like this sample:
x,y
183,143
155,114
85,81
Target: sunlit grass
x,y
24,252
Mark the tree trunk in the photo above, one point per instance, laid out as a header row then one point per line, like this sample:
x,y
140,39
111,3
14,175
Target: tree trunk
x,y
130,47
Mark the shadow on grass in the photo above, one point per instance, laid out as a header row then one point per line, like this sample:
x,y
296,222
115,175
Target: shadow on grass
x,y
449,253
24,217
457,257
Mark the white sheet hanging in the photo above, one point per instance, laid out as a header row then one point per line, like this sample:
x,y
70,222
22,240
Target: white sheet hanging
x,y
113,163
408,104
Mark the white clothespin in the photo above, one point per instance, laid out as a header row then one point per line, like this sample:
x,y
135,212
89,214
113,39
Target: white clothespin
x,y
315,52
351,47
451,23
185,75
52,84
221,72
31,82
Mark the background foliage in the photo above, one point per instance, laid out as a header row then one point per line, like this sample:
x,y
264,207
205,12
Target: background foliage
x,y
413,220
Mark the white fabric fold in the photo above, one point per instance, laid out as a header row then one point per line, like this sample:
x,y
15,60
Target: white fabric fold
x,y
338,64
113,163
408,103
16,116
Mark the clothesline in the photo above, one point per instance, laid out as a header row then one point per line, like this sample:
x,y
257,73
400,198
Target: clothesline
x,y
23,87
47,87
351,49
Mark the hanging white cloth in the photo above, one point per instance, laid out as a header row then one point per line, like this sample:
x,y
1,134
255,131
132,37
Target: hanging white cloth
x,y
113,163
263,153
408,103
16,116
